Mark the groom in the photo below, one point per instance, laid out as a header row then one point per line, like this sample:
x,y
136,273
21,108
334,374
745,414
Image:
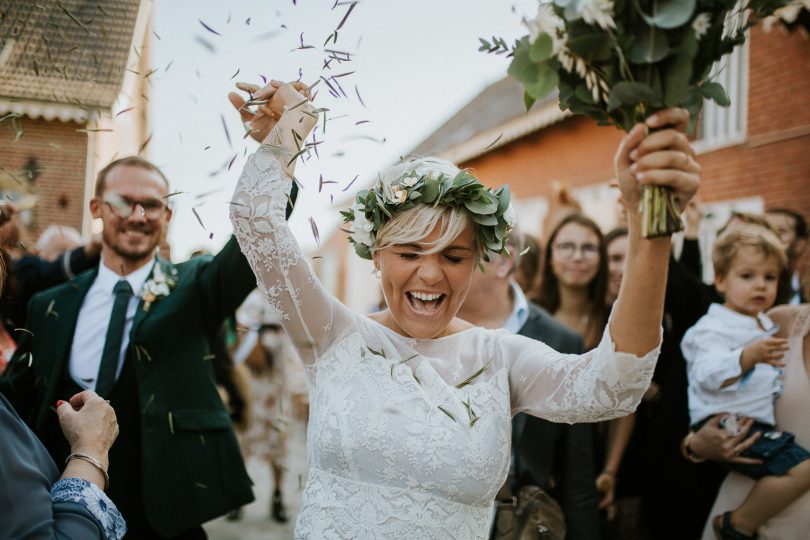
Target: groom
x,y
137,331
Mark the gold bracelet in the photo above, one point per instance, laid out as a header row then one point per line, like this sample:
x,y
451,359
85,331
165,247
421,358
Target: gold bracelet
x,y
94,462
687,452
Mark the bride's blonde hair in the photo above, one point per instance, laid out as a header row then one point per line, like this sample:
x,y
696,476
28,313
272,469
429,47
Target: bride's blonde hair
x,y
413,225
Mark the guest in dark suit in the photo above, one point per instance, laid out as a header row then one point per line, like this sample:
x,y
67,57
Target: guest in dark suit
x,y
556,457
137,331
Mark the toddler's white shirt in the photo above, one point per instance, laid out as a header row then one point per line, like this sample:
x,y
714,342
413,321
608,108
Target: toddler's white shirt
x,y
712,349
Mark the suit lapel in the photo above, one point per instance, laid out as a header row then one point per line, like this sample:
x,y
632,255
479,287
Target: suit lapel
x,y
143,312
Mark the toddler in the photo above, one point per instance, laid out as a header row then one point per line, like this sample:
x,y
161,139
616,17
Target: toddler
x,y
733,365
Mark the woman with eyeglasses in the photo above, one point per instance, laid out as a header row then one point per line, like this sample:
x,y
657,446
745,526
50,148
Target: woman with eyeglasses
x,y
574,279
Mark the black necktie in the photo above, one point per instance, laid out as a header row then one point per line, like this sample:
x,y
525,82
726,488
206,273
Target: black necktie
x,y
112,344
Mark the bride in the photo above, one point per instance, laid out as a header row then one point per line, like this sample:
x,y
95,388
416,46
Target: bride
x,y
409,427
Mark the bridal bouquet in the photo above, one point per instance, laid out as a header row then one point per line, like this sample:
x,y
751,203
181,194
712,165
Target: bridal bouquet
x,y
618,61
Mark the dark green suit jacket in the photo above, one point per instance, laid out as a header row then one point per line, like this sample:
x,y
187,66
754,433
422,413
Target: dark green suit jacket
x,y
191,469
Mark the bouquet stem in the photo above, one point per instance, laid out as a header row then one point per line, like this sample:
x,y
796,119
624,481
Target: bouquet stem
x,y
660,212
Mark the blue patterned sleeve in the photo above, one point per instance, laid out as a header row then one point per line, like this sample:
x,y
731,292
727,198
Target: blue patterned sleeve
x,y
83,493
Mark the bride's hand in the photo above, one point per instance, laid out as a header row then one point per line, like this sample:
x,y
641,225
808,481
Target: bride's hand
x,y
272,98
663,157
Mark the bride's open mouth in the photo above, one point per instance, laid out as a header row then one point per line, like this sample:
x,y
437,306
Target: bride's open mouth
x,y
423,302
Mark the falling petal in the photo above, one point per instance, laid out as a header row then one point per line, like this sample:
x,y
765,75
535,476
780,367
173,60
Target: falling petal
x,y
225,127
199,219
350,183
343,21
209,28
315,232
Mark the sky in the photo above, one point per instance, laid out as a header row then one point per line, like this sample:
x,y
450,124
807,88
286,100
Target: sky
x,y
413,64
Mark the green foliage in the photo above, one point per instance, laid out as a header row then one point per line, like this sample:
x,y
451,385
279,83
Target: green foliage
x,y
639,57
487,207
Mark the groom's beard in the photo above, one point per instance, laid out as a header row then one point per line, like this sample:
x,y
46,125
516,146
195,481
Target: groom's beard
x,y
142,246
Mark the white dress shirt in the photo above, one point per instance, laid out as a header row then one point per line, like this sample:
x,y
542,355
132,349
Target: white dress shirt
x,y
94,318
520,310
712,349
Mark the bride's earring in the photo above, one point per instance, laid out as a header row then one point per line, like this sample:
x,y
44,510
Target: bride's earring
x,y
377,273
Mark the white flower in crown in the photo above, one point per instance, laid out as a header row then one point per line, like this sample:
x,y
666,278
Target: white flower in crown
x,y
410,181
361,228
159,286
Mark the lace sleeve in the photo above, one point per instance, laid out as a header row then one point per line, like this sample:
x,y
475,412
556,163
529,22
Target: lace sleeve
x,y
310,315
87,495
598,385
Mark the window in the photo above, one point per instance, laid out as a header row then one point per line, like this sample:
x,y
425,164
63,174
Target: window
x,y
725,126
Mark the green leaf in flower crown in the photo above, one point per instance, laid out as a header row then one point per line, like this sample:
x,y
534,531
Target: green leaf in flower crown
x,y
593,46
363,251
667,13
485,219
632,93
541,49
714,91
504,196
485,205
649,46
429,191
528,100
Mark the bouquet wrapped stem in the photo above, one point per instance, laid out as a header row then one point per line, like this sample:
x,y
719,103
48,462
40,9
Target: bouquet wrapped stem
x,y
660,212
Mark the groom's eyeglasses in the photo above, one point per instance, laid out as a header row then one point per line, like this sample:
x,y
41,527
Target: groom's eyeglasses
x,y
124,207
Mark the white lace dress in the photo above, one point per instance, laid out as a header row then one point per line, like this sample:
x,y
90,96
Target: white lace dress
x,y
399,446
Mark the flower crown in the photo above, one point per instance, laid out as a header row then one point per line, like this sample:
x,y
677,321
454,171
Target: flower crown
x,y
489,209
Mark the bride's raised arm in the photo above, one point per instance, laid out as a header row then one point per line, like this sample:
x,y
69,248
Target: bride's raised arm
x,y
310,315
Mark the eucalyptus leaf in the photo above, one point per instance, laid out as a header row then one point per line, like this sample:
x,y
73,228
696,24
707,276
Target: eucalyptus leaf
x,y
541,49
430,191
676,74
528,100
649,46
667,13
632,93
593,47
486,219
522,68
544,85
715,92
504,198
486,206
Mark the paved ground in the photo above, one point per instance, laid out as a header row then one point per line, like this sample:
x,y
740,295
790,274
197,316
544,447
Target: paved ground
x,y
256,523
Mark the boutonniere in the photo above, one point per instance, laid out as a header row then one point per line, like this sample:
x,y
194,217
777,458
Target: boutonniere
x,y
159,286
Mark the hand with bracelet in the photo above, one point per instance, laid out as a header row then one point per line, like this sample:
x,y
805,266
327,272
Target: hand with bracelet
x,y
90,427
714,443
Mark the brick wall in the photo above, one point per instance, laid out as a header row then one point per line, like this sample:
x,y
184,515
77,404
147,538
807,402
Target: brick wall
x,y
60,153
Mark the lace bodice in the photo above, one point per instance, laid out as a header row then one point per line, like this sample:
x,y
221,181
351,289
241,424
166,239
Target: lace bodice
x,y
410,438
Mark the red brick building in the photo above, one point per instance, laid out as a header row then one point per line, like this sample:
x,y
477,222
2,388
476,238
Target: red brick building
x,y
72,96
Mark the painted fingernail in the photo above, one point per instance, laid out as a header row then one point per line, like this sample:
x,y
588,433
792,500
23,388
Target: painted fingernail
x,y
634,155
640,176
59,403
652,120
